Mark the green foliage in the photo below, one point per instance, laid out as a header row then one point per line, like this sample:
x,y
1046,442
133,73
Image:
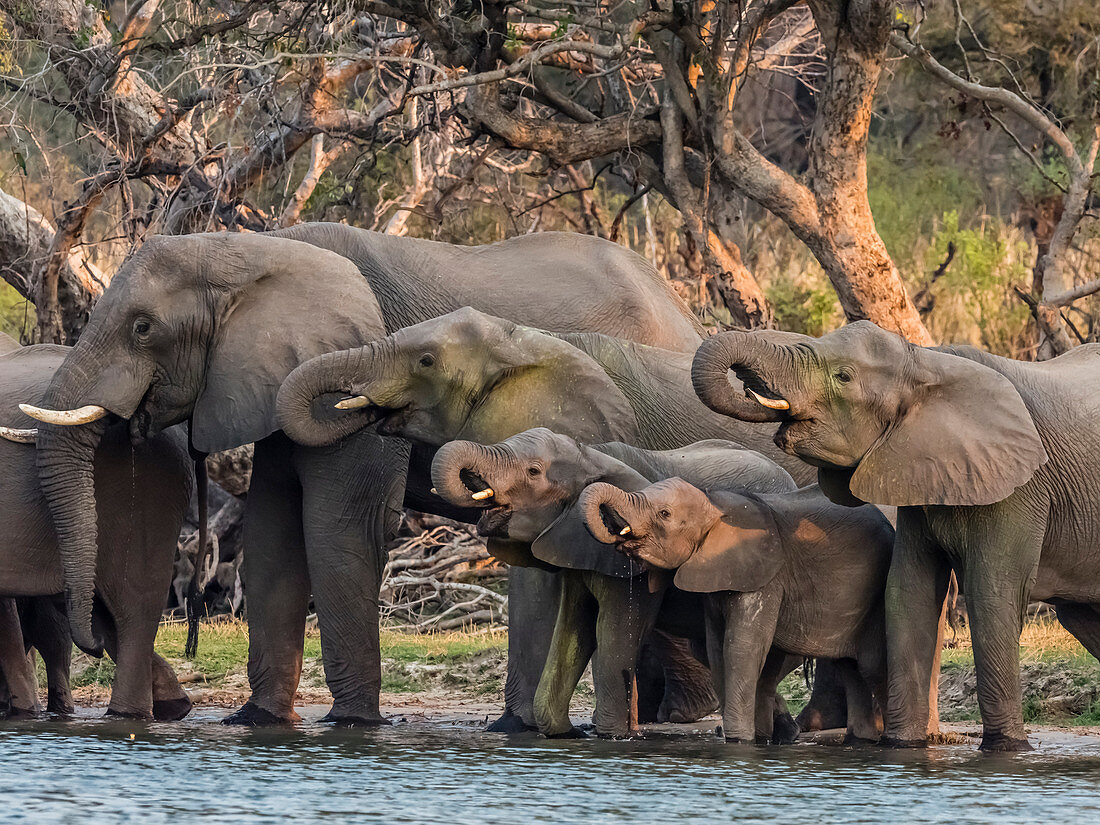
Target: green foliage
x,y
16,314
804,304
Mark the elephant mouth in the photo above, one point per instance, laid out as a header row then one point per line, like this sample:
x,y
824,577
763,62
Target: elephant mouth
x,y
616,525
757,390
494,522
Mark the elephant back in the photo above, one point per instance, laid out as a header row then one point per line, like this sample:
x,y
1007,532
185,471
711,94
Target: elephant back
x,y
25,374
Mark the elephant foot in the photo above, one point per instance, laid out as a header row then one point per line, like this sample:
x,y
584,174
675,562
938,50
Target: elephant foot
x,y
510,723
14,713
252,715
171,710
899,743
854,741
814,718
346,720
128,714
62,705
572,733
1000,743
784,729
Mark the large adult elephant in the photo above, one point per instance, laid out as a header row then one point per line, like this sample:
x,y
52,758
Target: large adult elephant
x,y
204,328
993,463
143,493
472,376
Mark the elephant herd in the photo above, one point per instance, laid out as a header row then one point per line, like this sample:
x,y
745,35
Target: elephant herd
x,y
708,511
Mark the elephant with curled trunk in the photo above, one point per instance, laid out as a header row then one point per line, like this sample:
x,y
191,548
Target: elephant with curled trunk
x,y
204,328
472,376
527,486
992,463
787,573
142,495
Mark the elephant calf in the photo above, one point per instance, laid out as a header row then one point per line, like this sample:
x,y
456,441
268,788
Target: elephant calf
x,y
527,487
784,573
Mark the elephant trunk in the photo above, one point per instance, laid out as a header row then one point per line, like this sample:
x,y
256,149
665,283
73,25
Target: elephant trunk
x,y
748,355
66,465
461,472
306,405
610,514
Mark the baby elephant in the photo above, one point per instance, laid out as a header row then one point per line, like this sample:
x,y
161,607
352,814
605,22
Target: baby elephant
x,y
790,571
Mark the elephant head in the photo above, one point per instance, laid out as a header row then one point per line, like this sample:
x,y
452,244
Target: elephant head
x,y
201,328
721,542
884,421
465,375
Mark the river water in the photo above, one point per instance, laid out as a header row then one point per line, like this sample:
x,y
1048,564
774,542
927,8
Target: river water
x,y
93,770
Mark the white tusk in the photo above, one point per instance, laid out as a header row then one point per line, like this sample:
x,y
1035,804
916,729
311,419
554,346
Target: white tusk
x,y
770,403
353,403
18,436
484,494
625,530
435,492
84,415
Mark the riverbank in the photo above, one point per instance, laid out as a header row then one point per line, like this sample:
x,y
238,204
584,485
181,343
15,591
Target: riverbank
x,y
464,672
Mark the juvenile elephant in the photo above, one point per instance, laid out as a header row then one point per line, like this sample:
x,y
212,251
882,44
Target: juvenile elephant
x,y
468,375
204,328
993,464
143,493
787,573
528,486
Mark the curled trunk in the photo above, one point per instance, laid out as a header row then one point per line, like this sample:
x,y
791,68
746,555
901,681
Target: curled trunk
x,y
606,510
462,468
305,407
745,354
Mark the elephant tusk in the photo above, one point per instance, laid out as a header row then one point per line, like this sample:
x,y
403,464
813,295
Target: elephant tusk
x,y
625,530
83,415
435,492
18,436
484,494
353,403
770,403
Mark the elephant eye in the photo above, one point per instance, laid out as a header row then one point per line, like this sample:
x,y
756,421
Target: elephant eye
x,y
665,513
427,360
534,471
843,376
142,327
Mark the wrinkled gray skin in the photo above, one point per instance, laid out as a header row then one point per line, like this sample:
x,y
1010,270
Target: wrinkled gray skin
x,y
475,377
991,463
785,573
142,497
535,478
205,328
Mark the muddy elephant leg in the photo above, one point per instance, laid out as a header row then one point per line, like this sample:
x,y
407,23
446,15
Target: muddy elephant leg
x,y
689,692
277,583
48,631
626,614
773,720
827,707
916,589
17,665
533,600
1083,621
750,620
352,495
997,575
571,647
170,701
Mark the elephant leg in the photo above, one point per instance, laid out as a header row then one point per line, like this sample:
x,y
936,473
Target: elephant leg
x,y
277,583
997,581
827,707
1083,621
916,589
750,621
649,676
773,719
863,722
626,614
16,663
689,693
533,599
170,701
571,647
352,496
49,633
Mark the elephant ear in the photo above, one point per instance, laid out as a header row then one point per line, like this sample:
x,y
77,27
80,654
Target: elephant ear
x,y
742,552
538,380
567,543
967,440
515,554
284,302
